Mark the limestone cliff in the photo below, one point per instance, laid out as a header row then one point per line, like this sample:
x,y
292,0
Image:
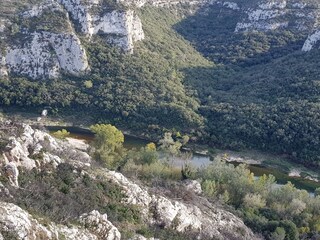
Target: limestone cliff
x,y
46,39
272,15
43,41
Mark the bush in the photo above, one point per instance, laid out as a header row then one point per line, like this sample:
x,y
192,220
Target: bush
x,y
61,134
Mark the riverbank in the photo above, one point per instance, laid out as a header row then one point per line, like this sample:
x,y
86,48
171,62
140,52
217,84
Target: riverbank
x,y
259,162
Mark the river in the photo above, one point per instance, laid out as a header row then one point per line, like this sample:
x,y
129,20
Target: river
x,y
198,160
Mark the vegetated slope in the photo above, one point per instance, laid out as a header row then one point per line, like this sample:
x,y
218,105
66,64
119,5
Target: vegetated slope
x,y
139,89
264,91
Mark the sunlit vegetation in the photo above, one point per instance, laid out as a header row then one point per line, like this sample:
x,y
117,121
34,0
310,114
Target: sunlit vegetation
x,y
277,212
62,134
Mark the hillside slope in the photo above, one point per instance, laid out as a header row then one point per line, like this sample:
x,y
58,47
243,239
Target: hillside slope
x,y
263,92
235,74
69,197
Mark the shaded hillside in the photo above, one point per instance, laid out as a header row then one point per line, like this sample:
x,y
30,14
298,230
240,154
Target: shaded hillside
x,y
264,91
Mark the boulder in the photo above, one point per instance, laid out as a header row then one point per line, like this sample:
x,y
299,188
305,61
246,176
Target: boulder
x,y
100,225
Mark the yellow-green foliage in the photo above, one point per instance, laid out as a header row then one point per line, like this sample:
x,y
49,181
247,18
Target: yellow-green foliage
x,y
156,169
209,187
61,134
108,144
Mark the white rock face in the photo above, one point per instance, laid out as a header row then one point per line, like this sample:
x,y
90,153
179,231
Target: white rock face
x,y
208,222
23,226
71,233
193,186
126,25
311,41
37,10
44,113
46,55
20,224
278,14
22,151
12,173
3,68
136,3
279,4
100,225
231,5
140,237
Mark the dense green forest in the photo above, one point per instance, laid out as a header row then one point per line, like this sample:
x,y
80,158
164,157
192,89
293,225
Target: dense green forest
x,y
193,73
263,93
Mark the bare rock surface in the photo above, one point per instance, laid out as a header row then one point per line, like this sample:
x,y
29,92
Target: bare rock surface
x,y
209,222
33,148
201,217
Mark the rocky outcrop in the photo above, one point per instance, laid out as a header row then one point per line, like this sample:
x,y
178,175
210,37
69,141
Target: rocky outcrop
x,y
100,225
193,186
18,224
278,14
208,222
12,173
46,55
140,237
120,27
15,223
33,148
300,17
311,41
3,68
39,53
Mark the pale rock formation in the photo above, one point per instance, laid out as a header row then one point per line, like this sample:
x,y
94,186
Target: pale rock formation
x,y
135,3
271,4
5,191
46,55
208,222
193,185
135,194
72,233
100,225
311,41
44,113
199,216
37,10
121,28
22,226
140,237
27,151
18,153
277,14
3,68
12,173
231,5
299,5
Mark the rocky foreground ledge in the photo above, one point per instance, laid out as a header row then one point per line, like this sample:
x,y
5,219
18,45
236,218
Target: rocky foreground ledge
x,y
23,147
